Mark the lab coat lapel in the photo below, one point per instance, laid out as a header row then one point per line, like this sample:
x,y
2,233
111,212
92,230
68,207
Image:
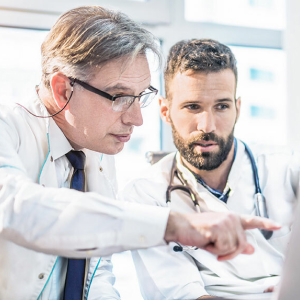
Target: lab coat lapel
x,y
58,146
236,170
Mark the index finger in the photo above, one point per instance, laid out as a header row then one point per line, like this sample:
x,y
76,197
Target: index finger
x,y
252,222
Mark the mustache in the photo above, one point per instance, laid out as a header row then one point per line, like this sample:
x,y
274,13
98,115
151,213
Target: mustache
x,y
205,137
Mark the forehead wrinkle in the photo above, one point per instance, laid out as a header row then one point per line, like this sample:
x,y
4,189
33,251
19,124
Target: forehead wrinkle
x,y
120,86
125,75
139,79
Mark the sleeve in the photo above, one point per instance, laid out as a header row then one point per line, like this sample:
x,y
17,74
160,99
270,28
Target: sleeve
x,y
162,273
66,222
102,280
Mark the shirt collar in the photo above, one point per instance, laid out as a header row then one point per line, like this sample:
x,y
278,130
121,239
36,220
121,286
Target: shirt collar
x,y
59,144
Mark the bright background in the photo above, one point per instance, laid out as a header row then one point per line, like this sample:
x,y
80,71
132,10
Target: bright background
x,y
263,34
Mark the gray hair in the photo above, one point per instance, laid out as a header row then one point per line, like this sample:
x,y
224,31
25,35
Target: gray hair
x,y
87,37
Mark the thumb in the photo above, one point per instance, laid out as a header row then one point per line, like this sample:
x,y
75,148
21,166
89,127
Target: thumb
x,y
249,249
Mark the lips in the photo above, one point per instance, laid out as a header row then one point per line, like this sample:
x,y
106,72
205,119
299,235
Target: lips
x,y
205,146
205,143
122,137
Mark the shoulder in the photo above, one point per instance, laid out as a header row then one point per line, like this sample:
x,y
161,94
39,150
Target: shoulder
x,y
276,154
280,159
150,185
18,117
159,171
271,152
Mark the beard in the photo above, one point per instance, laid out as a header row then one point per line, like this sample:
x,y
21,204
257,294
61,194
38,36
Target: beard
x,y
204,160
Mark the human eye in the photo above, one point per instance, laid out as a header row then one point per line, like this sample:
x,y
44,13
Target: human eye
x,y
222,106
192,106
128,100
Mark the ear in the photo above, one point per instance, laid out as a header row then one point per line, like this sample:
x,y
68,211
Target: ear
x,y
61,88
164,109
238,108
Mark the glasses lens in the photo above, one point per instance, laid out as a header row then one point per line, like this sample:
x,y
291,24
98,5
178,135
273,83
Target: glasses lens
x,y
147,99
122,103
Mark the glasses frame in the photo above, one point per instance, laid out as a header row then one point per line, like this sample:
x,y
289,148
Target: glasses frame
x,y
108,96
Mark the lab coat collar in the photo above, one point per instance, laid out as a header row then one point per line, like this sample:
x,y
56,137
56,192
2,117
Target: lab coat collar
x,y
236,170
187,174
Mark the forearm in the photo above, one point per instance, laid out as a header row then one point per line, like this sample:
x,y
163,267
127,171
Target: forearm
x,y
69,223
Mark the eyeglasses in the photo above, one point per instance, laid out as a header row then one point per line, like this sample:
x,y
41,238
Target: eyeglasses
x,y
121,102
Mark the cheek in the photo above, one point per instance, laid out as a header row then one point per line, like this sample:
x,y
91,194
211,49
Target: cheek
x,y
70,118
184,123
225,124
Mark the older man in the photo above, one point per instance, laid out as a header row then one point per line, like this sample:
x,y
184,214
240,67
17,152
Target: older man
x,y
219,173
95,79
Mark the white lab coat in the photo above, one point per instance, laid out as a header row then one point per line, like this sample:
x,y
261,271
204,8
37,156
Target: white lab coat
x,y
39,221
165,274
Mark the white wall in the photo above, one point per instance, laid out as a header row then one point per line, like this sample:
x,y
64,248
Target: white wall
x,y
292,47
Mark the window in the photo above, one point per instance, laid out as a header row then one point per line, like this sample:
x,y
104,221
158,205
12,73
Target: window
x,y
262,87
20,63
266,13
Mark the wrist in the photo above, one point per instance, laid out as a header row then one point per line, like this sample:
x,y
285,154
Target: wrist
x,y
172,227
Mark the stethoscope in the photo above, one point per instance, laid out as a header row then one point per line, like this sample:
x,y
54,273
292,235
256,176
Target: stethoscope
x,y
200,206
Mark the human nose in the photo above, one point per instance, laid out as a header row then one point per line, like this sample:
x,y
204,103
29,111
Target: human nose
x,y
206,122
133,115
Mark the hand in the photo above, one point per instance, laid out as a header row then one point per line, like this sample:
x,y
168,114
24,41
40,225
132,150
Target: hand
x,y
270,289
222,234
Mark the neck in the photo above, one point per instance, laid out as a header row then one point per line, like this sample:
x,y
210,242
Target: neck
x,y
46,97
216,178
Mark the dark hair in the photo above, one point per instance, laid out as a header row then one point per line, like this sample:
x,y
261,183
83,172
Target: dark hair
x,y
202,55
87,37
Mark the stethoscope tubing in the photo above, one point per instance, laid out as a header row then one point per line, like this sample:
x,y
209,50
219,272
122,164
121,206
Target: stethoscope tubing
x,y
259,199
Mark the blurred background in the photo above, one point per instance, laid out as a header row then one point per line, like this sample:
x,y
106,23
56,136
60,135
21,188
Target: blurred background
x,y
263,34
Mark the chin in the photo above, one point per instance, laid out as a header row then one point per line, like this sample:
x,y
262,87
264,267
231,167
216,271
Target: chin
x,y
111,150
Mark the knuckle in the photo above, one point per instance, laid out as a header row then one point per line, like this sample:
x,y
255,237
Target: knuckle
x,y
215,226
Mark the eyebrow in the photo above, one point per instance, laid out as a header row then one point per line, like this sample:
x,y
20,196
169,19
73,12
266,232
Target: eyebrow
x,y
217,101
224,100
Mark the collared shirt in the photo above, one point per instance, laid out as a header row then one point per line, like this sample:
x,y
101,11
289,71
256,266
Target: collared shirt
x,y
54,289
